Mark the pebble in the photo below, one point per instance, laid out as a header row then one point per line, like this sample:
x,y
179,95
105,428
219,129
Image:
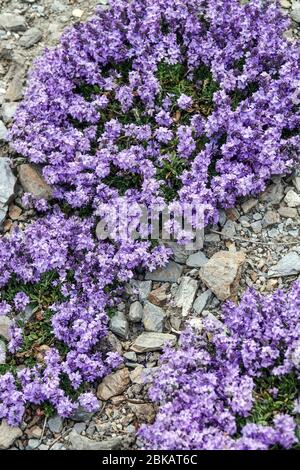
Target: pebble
x,y
152,342
7,186
8,435
202,301
271,218
3,132
30,37
8,111
135,312
79,442
119,325
153,317
77,13
12,22
229,229
55,424
292,199
159,296
197,260
288,212
256,226
113,384
170,273
33,182
185,294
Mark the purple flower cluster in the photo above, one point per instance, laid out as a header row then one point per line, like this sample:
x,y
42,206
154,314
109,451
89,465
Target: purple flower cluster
x,y
72,120
208,388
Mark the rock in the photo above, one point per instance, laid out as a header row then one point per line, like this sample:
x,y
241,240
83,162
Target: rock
x,y
273,194
222,273
212,238
33,182
144,412
153,317
179,254
152,342
130,356
32,444
296,183
12,22
119,325
248,205
229,229
14,91
295,14
8,111
7,186
288,212
214,320
81,415
113,343
170,273
135,312
8,435
142,288
31,37
201,301
3,132
289,265
36,432
271,218
137,376
196,260
292,199
79,442
5,324
113,384
185,294
2,352
14,212
285,3
55,424
158,296
77,13
256,226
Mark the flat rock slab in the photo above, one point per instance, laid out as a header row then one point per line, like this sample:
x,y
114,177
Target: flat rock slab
x,y
170,273
153,317
289,265
8,435
197,260
12,22
186,294
222,273
113,384
152,342
33,182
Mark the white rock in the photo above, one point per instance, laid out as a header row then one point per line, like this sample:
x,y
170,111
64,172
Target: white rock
x,y
31,37
5,324
8,435
8,111
289,265
77,13
152,342
2,352
292,198
3,132
185,294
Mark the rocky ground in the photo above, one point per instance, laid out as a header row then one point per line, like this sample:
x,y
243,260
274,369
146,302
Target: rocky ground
x,y
256,244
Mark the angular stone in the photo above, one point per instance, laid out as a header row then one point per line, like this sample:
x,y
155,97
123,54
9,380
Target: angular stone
x,y
152,342
31,37
248,205
289,265
256,226
288,212
185,294
119,325
142,288
196,260
137,376
229,229
5,324
3,132
2,352
153,317
179,254
7,186
55,424
113,384
8,111
33,182
296,182
201,301
80,415
14,212
8,435
170,273
79,442
292,199
295,14
158,296
144,412
273,194
14,91
135,312
12,22
271,218
222,273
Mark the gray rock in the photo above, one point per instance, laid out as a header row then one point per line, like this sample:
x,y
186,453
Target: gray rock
x,y
210,316
33,444
289,265
8,435
201,301
12,22
7,186
119,325
8,111
31,37
180,254
197,260
170,273
79,427
288,212
256,226
292,198
79,442
152,342
295,13
141,288
153,317
2,352
55,424
248,205
229,229
5,324
271,218
185,294
33,182
273,194
135,312
296,183
130,356
81,415
3,132
14,91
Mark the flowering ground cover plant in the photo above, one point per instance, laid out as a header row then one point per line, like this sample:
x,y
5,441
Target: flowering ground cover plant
x,y
188,101
233,385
